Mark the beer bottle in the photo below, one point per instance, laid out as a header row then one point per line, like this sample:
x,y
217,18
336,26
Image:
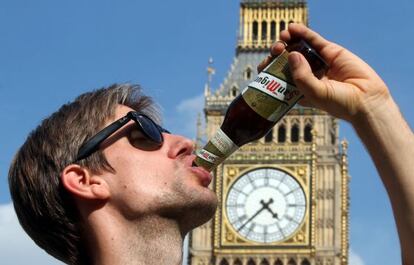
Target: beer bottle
x,y
261,104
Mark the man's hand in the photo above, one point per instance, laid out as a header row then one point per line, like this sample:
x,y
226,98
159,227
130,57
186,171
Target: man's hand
x,y
351,88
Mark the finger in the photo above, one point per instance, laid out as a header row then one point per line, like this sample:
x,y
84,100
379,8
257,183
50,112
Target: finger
x,y
264,63
328,50
276,49
299,31
304,79
285,36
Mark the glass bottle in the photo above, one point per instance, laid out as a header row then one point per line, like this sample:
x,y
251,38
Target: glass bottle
x,y
253,113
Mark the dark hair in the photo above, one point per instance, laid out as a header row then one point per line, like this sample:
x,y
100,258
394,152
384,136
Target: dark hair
x,y
43,207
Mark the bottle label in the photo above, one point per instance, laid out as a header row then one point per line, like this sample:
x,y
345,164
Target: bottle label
x,y
223,143
275,87
272,94
217,149
206,155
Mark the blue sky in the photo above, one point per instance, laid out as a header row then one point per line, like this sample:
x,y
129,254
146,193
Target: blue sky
x,y
51,51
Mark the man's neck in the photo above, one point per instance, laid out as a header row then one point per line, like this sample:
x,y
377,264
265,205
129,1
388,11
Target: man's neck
x,y
149,240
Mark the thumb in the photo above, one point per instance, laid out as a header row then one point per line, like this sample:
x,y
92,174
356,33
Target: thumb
x,y
305,80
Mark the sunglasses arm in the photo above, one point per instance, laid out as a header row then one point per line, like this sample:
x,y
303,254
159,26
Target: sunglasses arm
x,y
93,144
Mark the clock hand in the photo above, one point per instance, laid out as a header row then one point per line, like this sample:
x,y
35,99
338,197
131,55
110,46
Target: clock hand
x,y
251,218
267,207
274,215
264,205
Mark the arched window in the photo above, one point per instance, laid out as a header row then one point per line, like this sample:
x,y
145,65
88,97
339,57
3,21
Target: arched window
x,y
281,134
269,137
264,262
291,262
294,133
248,73
278,262
333,138
238,262
224,262
255,30
308,133
251,262
305,262
282,25
264,30
234,91
273,31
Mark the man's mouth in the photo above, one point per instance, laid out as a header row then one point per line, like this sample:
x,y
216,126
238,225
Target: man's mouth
x,y
204,176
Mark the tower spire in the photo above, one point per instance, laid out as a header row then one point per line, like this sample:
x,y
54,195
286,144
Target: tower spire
x,y
210,72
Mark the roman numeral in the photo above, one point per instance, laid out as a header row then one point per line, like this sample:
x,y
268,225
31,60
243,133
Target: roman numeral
x,y
242,218
240,191
251,227
290,218
251,181
237,205
291,191
295,205
280,229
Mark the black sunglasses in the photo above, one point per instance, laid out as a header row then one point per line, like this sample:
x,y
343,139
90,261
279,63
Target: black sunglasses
x,y
151,131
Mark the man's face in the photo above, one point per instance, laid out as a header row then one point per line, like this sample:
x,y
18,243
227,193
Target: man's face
x,y
160,182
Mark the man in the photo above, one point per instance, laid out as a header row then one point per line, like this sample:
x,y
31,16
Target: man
x,y
127,194
128,200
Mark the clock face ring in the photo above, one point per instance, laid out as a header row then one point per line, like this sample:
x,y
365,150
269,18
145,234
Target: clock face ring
x,y
266,205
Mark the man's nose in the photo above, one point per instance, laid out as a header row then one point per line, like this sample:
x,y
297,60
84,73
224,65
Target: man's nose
x,y
178,145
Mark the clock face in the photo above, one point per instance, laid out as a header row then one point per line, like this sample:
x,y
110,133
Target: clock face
x,y
266,205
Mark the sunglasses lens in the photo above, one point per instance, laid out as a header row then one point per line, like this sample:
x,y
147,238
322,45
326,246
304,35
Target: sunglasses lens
x,y
149,137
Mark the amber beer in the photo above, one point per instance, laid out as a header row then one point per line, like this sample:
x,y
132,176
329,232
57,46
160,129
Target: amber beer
x,y
261,104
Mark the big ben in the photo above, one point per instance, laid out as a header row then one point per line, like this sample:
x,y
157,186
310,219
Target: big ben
x,y
283,200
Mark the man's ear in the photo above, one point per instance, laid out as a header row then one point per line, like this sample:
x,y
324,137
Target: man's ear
x,y
82,184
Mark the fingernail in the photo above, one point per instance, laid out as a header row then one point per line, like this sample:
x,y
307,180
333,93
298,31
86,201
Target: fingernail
x,y
281,42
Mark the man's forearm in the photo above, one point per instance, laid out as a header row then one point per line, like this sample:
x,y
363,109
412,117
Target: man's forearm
x,y
390,142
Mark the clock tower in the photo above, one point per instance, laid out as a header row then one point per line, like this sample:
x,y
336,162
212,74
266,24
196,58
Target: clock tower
x,y
283,200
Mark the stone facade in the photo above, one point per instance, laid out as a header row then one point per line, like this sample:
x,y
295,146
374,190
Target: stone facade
x,y
305,142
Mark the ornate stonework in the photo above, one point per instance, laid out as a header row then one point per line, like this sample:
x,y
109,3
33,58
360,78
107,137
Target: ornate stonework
x,y
304,144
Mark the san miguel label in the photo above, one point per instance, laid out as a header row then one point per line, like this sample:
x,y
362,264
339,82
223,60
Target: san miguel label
x,y
275,87
272,94
209,157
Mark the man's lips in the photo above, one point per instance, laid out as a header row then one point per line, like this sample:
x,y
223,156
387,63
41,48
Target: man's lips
x,y
204,176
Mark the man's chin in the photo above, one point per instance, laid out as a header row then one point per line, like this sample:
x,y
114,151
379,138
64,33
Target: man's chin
x,y
198,214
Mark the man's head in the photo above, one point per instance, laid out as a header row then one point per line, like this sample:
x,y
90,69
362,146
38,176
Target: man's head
x,y
53,195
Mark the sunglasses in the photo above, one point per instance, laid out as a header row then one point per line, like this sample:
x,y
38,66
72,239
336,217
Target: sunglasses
x,y
149,136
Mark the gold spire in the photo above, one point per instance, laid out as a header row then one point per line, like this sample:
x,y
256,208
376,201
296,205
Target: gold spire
x,y
210,71
345,204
